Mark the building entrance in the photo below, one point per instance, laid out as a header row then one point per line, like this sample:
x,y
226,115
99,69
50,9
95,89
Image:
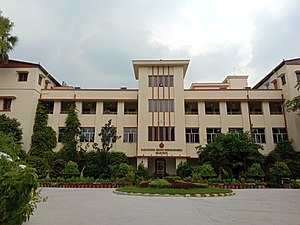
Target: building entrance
x,y
160,165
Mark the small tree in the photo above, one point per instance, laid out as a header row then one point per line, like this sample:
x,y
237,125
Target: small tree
x,y
123,170
108,135
7,41
9,146
206,170
184,170
255,171
71,170
280,169
70,135
11,126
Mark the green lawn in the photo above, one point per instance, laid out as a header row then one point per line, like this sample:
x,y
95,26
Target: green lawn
x,y
174,191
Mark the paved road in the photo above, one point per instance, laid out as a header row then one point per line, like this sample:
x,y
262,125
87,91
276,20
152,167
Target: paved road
x,y
101,206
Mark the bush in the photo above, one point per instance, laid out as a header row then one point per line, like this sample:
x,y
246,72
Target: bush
x,y
196,177
206,170
18,192
141,171
71,170
123,170
184,170
255,171
172,178
160,184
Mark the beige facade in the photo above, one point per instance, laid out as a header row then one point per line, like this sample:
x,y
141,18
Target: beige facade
x,y
161,123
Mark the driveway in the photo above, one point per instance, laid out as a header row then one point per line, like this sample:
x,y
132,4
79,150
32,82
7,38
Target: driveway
x,y
101,206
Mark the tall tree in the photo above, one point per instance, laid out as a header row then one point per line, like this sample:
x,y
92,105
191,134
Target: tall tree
x,y
43,139
11,126
294,103
70,135
7,41
108,135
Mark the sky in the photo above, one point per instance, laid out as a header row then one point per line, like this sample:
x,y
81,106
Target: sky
x,y
92,43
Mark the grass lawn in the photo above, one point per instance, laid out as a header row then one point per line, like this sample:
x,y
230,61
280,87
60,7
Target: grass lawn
x,y
172,191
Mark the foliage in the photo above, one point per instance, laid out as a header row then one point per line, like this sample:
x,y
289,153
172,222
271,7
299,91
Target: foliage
x,y
160,184
294,104
7,41
280,169
18,192
255,171
172,191
11,127
285,152
9,146
71,170
123,170
141,171
43,139
108,135
206,170
172,178
184,170
70,135
231,152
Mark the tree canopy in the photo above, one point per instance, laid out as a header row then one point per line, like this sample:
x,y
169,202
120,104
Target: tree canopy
x,y
7,41
11,126
108,135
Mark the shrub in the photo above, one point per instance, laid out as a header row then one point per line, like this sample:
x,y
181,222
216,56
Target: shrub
x,y
18,192
172,178
141,171
255,171
184,170
160,184
123,170
206,170
71,170
196,177
280,169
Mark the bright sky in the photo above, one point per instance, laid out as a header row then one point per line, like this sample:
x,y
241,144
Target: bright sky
x,y
91,43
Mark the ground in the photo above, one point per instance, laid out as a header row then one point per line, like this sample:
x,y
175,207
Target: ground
x,y
101,206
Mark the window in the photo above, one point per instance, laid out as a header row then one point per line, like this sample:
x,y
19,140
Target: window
x,y
274,82
275,108
279,134
161,105
130,108
298,76
233,108
40,80
191,108
235,130
87,134
255,108
88,107
161,133
65,106
60,133
212,108
7,104
23,76
211,133
283,81
161,81
49,106
110,107
192,135
258,135
130,135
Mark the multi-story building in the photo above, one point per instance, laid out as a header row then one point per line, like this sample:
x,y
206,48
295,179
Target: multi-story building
x,y
161,123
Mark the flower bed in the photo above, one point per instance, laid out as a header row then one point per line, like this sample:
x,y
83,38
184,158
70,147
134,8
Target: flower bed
x,y
84,185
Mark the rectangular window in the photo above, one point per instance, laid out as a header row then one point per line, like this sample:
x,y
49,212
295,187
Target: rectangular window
x,y
161,105
7,104
88,107
258,135
110,108
255,108
298,76
275,108
65,106
192,135
49,106
23,76
283,81
161,81
60,133
279,134
161,133
212,108
130,108
40,80
235,130
130,134
211,133
87,134
191,108
233,108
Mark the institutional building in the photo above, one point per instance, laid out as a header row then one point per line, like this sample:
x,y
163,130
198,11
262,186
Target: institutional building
x,y
161,123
